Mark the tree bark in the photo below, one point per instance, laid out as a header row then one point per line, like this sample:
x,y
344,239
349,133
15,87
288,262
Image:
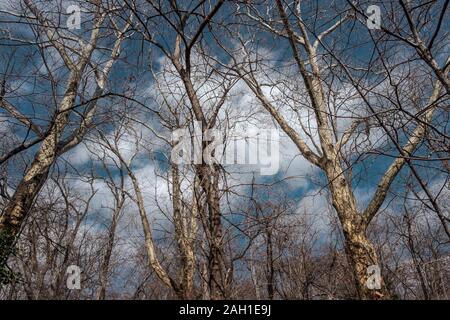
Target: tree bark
x,y
185,235
209,181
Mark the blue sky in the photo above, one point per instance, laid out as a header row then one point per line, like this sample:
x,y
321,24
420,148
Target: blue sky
x,y
353,43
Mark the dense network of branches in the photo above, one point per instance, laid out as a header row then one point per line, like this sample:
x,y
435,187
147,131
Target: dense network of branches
x,y
93,95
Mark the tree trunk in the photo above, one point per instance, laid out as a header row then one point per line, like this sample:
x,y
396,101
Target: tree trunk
x,y
209,181
185,234
362,255
215,281
104,269
22,201
270,264
360,251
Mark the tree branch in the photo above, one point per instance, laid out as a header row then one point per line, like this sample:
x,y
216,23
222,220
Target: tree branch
x,y
396,166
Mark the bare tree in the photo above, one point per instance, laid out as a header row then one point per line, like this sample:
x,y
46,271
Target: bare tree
x,y
188,23
115,136
326,153
58,137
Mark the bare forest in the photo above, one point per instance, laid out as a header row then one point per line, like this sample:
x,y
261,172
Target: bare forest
x,y
224,149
